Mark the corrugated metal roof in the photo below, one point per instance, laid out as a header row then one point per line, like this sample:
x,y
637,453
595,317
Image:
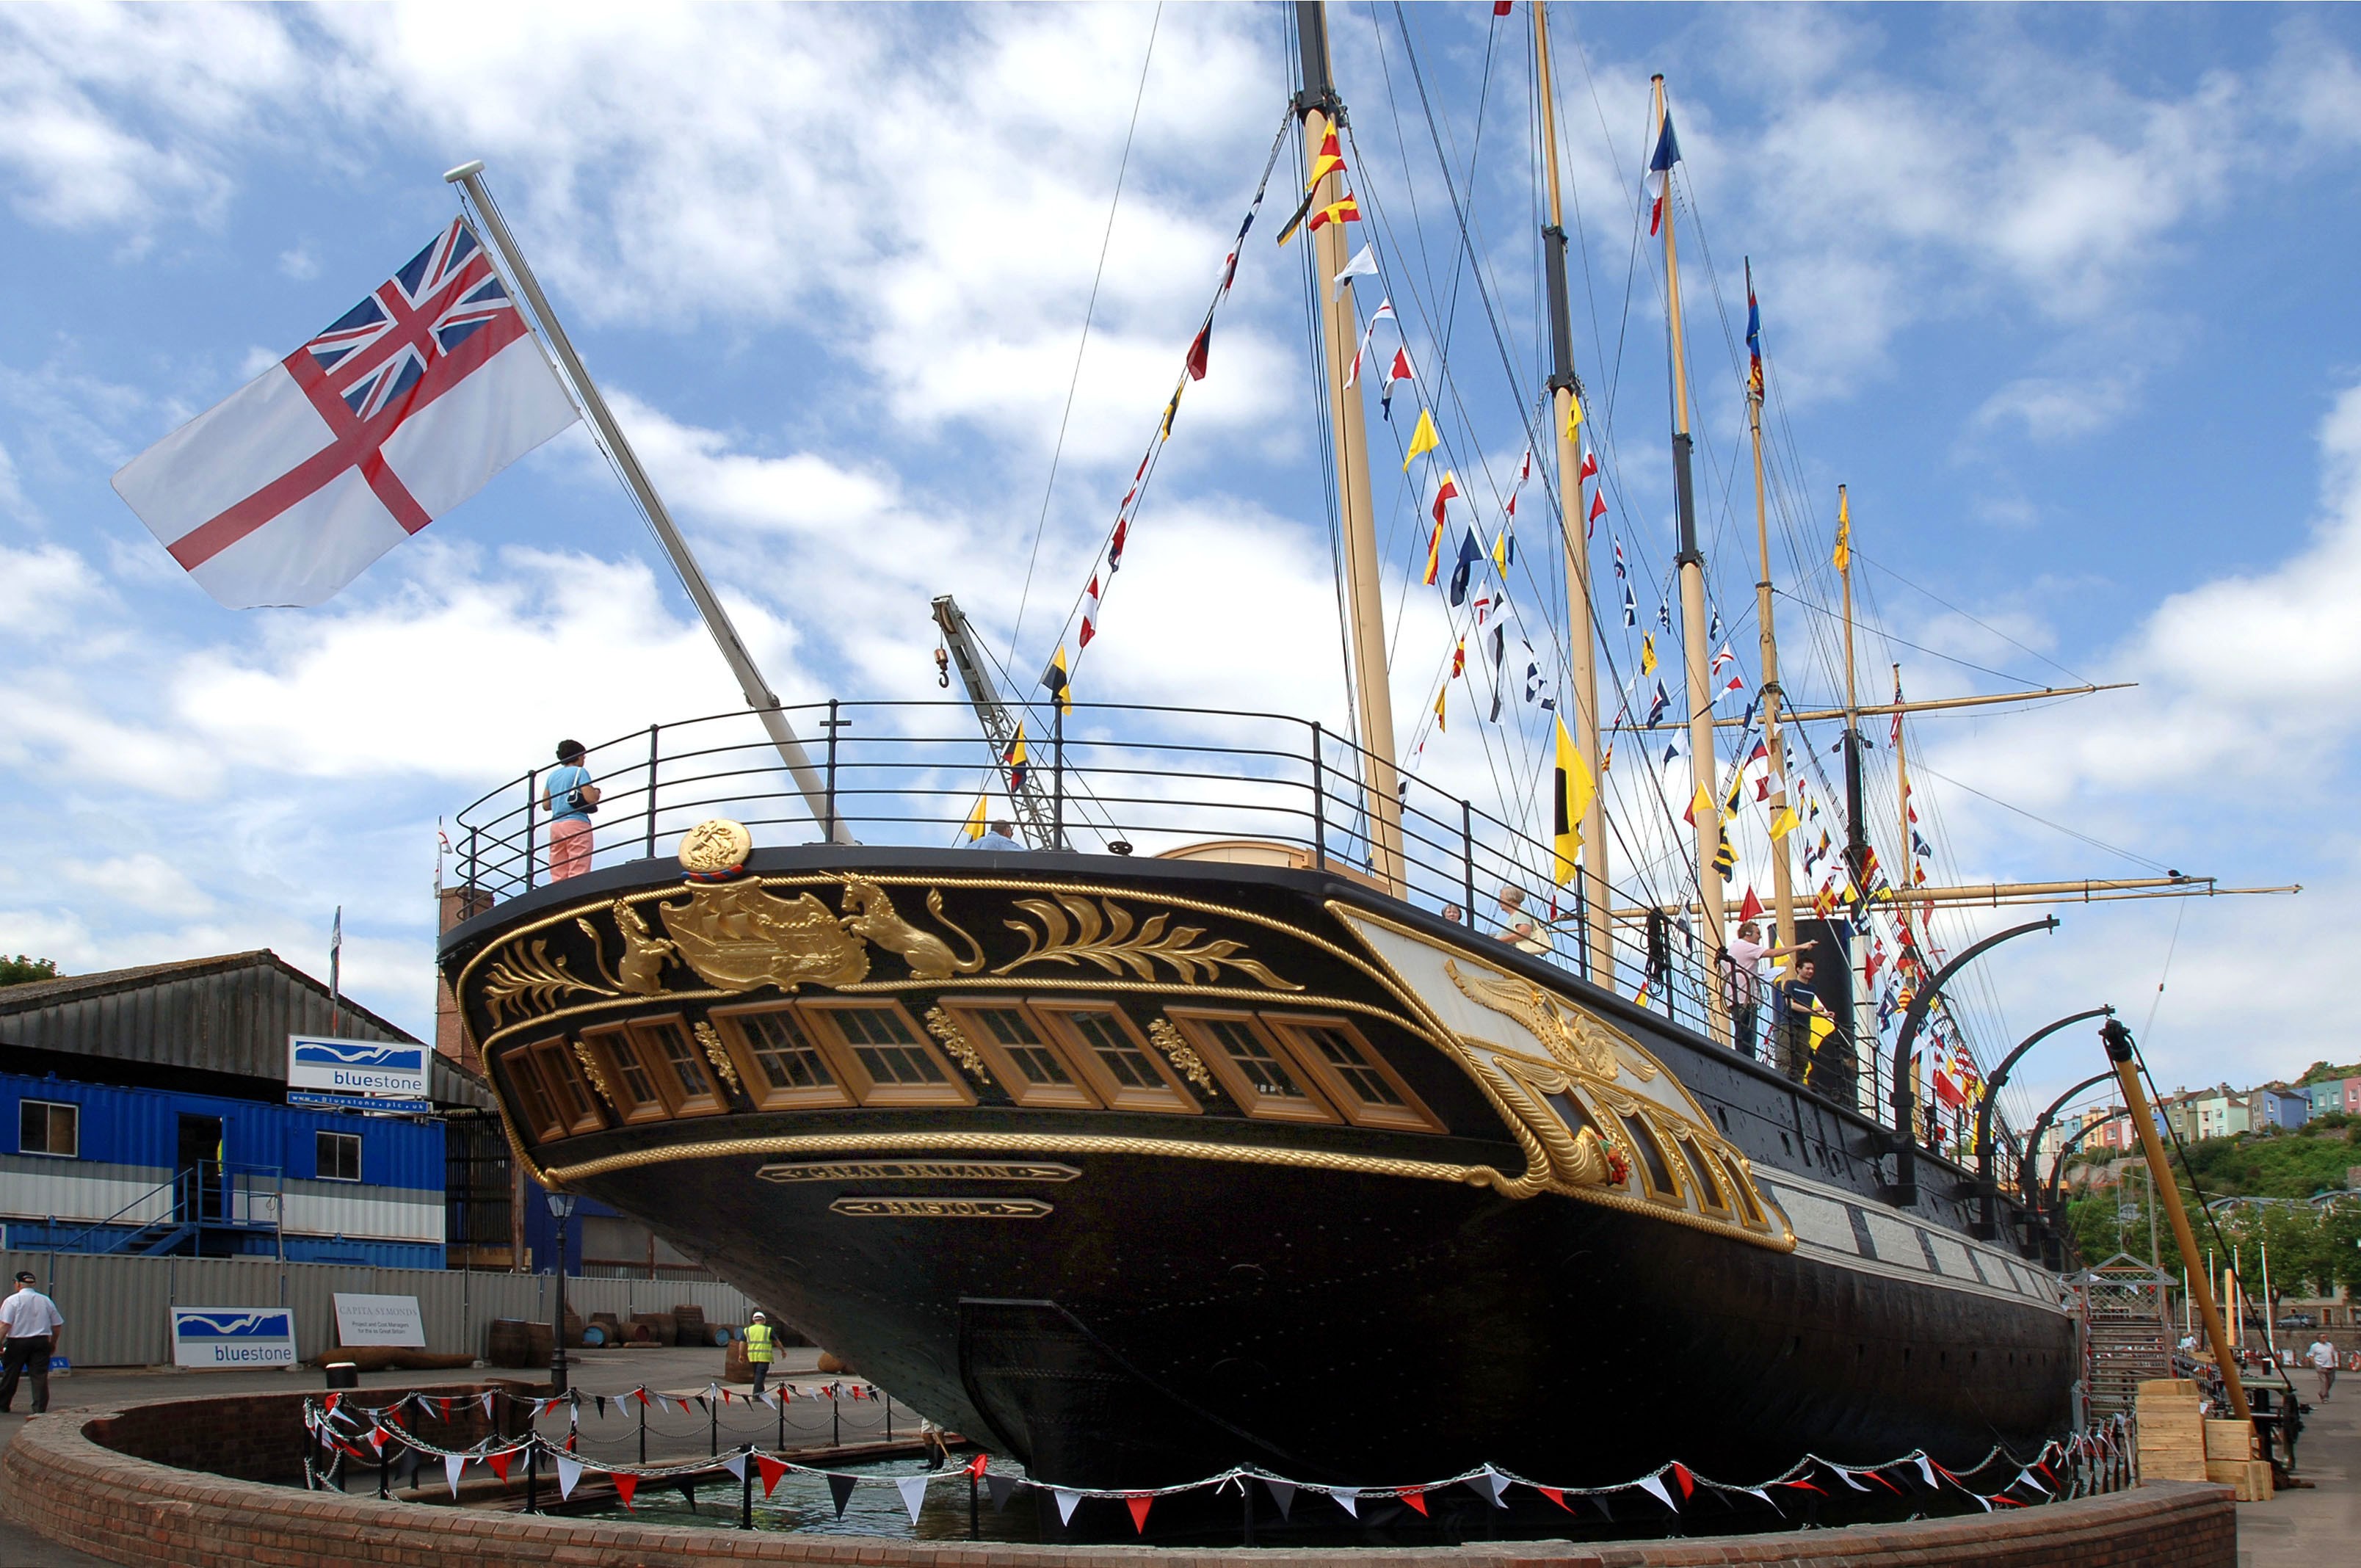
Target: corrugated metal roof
x,y
227,1014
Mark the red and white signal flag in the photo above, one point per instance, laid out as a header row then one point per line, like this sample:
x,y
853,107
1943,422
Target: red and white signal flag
x,y
403,407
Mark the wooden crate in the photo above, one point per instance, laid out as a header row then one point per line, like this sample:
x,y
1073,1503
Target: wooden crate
x,y
2169,1388
2232,1440
2171,1432
2251,1478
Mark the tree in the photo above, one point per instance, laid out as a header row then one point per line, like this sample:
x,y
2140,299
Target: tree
x,y
20,969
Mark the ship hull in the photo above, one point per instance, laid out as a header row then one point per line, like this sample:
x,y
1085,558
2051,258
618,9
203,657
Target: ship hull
x,y
1124,1291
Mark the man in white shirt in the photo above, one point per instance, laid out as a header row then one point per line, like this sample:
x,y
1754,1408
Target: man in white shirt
x,y
1747,956
31,1322
2322,1356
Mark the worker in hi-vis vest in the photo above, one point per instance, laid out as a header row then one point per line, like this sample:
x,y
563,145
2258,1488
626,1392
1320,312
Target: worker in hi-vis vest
x,y
760,1347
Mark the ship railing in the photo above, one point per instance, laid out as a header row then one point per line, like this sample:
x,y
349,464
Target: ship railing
x,y
1115,779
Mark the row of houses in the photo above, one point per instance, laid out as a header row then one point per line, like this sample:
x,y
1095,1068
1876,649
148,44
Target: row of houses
x,y
2220,1111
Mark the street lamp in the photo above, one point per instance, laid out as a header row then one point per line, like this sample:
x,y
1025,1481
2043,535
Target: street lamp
x,y
560,1209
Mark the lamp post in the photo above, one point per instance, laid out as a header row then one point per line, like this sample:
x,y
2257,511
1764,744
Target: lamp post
x,y
560,1209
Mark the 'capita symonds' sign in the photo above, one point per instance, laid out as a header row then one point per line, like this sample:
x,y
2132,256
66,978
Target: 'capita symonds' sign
x,y
355,1067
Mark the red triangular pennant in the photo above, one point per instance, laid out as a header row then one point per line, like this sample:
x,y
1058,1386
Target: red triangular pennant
x,y
499,1463
1415,1498
1554,1496
976,1466
1681,1474
624,1486
1139,1503
772,1470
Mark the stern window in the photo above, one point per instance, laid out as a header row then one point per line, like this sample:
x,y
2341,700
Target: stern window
x,y
1117,1059
1359,1081
883,1059
1256,1071
1022,1056
779,1062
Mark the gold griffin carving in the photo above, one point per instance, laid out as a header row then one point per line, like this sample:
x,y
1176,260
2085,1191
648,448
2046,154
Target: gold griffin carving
x,y
1101,932
736,937
716,1055
527,977
1573,1038
1185,1060
594,1072
870,914
945,1027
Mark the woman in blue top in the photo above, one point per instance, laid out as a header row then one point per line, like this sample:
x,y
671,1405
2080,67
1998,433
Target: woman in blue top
x,y
571,798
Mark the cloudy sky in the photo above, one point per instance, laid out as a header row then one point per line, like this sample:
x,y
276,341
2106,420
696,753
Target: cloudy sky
x,y
2063,296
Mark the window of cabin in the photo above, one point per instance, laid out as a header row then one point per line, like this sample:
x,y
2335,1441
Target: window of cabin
x,y
885,1059
578,1109
632,1070
526,1088
48,1127
1254,1067
1022,1056
780,1062
337,1156
1109,1048
1359,1081
672,1055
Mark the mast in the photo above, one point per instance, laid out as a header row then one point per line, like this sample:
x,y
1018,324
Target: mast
x,y
1903,853
1582,672
1856,826
1783,876
1364,600
1704,782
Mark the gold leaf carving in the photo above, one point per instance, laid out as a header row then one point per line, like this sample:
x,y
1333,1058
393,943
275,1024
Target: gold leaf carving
x,y
717,1054
945,1027
526,978
870,914
594,1073
1102,932
1185,1060
736,937
1573,1038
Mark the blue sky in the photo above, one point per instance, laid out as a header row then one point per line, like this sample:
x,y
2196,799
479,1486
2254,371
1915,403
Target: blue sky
x,y
2062,295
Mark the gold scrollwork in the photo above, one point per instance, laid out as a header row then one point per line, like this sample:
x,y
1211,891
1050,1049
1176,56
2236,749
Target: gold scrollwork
x,y
1574,1037
1101,932
736,937
945,1028
717,1054
594,1073
1572,1159
1184,1057
527,977
870,914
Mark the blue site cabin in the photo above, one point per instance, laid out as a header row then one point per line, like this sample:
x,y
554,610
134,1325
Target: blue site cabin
x,y
144,1110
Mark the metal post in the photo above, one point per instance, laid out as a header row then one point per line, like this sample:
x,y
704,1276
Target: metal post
x,y
533,1468
833,722
974,1510
1319,806
780,1406
889,1417
557,1319
1467,858
471,867
644,1427
384,1471
835,1417
1582,932
757,691
713,1427
652,790
746,1489
1246,1508
532,798
1057,771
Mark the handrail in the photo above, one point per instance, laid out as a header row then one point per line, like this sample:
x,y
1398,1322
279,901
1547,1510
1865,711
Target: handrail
x,y
178,1211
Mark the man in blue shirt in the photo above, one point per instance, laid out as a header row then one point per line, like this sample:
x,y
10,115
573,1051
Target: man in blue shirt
x,y
998,835
571,798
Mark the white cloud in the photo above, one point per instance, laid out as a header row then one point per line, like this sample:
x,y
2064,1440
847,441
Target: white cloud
x,y
42,589
145,881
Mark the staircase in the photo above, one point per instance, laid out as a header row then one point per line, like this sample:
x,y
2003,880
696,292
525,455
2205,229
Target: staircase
x,y
2126,1334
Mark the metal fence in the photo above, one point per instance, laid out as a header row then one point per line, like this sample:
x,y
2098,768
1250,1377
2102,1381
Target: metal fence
x,y
1117,779
117,1313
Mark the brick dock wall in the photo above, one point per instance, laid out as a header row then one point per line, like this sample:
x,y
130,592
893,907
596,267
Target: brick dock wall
x,y
105,1482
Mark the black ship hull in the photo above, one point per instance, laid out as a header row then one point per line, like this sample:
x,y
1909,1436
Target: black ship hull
x,y
1124,1297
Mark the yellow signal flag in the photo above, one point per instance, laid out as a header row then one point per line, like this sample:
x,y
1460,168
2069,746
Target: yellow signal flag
x,y
1330,159
1056,682
1703,805
1570,803
1573,417
1648,653
1423,438
1501,545
1784,824
975,817
1843,557
1440,726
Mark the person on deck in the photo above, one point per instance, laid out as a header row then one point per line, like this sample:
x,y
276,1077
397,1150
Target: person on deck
x,y
1797,1016
31,1322
1517,928
571,798
762,1348
1001,835
1747,955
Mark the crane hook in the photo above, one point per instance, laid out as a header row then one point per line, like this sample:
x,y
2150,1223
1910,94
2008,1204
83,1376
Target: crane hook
x,y
942,668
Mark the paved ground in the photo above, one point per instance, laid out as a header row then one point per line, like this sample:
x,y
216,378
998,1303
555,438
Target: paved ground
x,y
2309,1529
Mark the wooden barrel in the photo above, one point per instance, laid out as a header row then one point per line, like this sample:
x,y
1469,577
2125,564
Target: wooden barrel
x,y
508,1343
662,1329
689,1320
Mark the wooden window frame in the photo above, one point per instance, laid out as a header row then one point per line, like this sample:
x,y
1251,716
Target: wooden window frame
x,y
614,1047
1172,1098
553,1059
729,1022
1196,1023
1076,1095
1410,1116
952,1091
679,1100
523,1081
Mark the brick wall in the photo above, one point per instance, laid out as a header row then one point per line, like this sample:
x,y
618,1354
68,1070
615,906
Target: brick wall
x,y
59,1477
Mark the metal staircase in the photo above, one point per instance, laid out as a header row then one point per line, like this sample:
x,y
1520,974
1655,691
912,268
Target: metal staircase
x,y
2127,1332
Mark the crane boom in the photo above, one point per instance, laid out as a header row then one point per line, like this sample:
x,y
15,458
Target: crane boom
x,y
1033,817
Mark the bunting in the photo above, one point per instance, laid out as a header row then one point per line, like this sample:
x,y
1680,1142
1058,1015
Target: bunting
x,y
1660,171
1570,803
1423,438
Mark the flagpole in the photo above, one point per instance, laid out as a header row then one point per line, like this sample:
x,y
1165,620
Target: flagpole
x,y
759,696
1364,596
1581,635
1783,876
1691,561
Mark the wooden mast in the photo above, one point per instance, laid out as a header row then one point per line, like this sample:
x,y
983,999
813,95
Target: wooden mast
x,y
1703,798
1783,876
1582,672
1364,600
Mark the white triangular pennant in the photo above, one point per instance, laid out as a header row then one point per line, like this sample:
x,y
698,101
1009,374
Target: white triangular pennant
x,y
1348,1499
1494,1484
1066,1501
913,1494
487,1398
1655,1484
736,1464
451,1465
1926,1468
1846,1477
569,1471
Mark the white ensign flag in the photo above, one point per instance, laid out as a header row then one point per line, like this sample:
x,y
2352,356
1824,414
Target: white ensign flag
x,y
287,489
